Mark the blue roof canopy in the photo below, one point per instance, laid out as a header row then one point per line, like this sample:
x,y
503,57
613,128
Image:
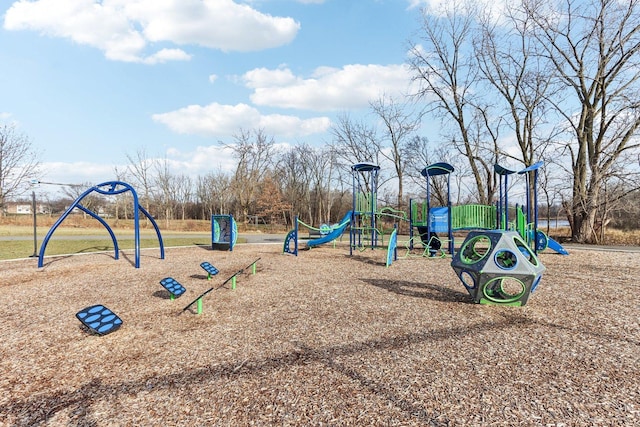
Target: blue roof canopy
x,y
436,169
364,167
533,167
501,170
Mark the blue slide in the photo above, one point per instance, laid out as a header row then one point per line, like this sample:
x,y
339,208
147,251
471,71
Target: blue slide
x,y
334,234
545,242
555,246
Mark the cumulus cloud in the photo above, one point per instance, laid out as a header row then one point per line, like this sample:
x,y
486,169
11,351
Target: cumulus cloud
x,y
224,120
200,161
76,173
327,88
126,29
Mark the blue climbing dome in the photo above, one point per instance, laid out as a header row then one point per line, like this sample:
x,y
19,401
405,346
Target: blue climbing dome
x,y
110,188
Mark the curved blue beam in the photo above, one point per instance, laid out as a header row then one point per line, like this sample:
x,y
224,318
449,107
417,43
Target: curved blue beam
x,y
155,226
103,222
66,213
533,167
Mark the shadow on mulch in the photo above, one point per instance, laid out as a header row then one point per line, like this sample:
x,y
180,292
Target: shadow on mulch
x,y
206,247
421,290
97,250
163,294
382,262
37,410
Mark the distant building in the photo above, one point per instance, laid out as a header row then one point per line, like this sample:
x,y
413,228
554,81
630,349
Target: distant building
x,y
24,208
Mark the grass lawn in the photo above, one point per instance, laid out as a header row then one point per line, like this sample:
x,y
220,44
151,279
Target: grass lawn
x,y
70,240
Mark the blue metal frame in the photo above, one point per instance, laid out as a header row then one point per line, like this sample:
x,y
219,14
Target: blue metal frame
x,y
110,188
354,234
438,169
532,212
503,203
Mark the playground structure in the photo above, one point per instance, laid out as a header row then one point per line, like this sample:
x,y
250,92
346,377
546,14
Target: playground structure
x,y
224,232
362,220
432,222
497,262
497,267
110,188
435,225
328,233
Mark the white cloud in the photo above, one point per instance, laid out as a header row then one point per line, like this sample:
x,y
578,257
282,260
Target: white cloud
x,y
202,160
224,120
75,173
327,89
126,29
165,55
213,78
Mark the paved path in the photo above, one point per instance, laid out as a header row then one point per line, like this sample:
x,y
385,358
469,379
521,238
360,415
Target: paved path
x,y
279,238
248,237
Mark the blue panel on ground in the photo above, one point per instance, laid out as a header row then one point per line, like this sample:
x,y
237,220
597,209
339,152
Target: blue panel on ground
x,y
209,268
99,319
172,285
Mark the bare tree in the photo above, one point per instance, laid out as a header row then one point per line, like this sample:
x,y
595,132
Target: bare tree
x,y
19,164
213,193
254,151
165,185
399,124
92,201
510,61
354,142
424,153
184,193
595,49
141,169
446,69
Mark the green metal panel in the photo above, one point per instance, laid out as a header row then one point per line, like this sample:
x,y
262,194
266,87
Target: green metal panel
x,y
473,216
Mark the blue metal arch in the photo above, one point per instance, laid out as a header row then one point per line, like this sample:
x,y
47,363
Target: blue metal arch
x,y
109,188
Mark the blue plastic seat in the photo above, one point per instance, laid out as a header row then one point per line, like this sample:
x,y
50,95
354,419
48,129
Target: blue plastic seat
x,y
99,319
210,269
172,285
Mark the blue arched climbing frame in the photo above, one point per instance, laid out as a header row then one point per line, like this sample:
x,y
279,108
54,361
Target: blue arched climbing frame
x,y
110,188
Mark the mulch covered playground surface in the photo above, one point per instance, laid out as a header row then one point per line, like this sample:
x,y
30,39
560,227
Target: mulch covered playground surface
x,y
320,339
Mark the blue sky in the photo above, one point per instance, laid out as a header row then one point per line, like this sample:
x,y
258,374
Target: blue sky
x,y
89,81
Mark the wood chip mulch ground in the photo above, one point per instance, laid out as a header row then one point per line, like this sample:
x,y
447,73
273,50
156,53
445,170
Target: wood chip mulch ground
x,y
320,339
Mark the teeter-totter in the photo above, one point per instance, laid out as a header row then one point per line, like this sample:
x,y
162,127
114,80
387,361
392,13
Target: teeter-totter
x,y
232,279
